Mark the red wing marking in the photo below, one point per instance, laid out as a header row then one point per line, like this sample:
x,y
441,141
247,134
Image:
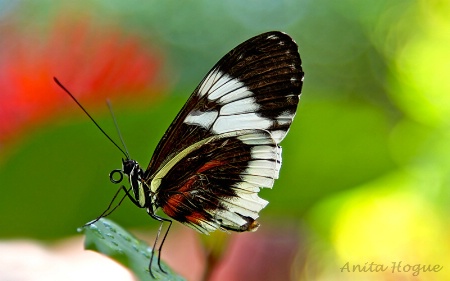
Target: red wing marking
x,y
170,208
209,165
187,186
195,217
173,205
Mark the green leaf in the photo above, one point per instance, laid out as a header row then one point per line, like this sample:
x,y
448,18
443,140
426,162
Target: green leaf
x,y
108,238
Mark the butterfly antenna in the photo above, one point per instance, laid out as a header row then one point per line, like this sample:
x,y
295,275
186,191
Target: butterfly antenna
x,y
117,128
92,119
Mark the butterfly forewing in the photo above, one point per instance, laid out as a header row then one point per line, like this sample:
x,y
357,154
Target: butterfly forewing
x,y
223,145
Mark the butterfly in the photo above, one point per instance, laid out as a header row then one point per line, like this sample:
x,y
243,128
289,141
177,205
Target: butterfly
x,y
223,146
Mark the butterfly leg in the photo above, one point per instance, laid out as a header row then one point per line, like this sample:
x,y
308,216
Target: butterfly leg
x,y
161,220
107,212
162,243
127,191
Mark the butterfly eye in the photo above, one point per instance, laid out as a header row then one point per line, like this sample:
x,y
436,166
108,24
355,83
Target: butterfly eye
x,y
111,176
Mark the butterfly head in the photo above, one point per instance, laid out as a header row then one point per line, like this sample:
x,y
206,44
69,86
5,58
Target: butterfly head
x,y
129,166
134,173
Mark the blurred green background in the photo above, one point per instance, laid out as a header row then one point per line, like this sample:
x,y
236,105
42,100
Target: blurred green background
x,y
366,165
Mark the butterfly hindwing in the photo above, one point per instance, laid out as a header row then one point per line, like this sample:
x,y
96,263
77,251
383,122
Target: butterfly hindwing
x,y
215,184
223,146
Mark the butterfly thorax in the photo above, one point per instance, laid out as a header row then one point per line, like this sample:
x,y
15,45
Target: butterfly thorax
x,y
135,174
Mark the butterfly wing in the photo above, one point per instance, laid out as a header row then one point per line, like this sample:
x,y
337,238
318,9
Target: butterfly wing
x,y
215,183
255,86
205,171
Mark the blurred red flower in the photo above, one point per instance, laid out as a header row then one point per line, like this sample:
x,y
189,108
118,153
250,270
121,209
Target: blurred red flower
x,y
93,63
